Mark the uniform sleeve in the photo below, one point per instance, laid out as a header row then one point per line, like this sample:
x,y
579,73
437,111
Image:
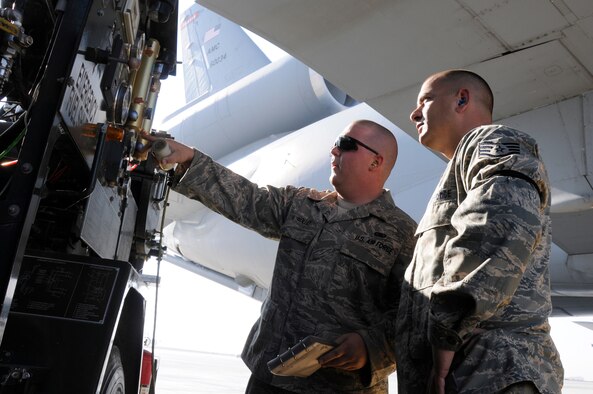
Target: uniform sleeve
x,y
261,209
380,337
497,226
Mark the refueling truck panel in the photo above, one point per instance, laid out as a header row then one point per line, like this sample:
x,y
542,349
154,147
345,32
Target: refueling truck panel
x,y
81,200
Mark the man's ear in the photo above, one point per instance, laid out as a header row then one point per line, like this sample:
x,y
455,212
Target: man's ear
x,y
378,160
463,98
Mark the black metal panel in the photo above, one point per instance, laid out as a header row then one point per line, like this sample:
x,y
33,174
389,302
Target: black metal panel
x,y
76,165
18,209
64,320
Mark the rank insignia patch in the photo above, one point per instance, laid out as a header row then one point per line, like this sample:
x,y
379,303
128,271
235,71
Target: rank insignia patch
x,y
489,149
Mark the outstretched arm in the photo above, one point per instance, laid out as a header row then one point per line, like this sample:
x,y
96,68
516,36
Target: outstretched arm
x,y
180,154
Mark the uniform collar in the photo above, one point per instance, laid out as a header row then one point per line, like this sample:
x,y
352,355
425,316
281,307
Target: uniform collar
x,y
381,207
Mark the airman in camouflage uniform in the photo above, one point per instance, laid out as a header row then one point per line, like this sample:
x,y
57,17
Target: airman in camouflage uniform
x,y
476,297
338,271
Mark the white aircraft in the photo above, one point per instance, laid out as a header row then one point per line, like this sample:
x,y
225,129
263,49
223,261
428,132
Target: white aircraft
x,y
275,123
275,126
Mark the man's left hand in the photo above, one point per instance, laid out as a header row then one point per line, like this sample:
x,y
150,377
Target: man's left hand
x,y
442,360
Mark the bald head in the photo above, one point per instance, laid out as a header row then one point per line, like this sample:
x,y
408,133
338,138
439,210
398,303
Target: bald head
x,y
362,159
458,79
384,141
450,104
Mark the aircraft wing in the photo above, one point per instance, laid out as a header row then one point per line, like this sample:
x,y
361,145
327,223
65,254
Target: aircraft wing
x,y
534,52
537,55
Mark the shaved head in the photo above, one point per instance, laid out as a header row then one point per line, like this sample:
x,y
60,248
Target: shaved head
x,y
362,159
450,104
457,79
382,138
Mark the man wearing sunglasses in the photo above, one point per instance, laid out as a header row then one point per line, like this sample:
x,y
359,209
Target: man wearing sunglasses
x,y
339,265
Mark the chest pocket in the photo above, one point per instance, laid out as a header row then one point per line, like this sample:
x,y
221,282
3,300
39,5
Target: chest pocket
x,y
293,252
299,232
438,215
434,232
361,273
377,255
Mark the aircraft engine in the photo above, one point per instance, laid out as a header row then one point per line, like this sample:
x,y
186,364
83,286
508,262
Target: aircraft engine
x,y
281,97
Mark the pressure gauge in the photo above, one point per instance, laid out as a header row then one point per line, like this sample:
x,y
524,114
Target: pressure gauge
x,y
123,99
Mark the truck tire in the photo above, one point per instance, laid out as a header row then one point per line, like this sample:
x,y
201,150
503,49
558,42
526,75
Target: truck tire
x,y
114,382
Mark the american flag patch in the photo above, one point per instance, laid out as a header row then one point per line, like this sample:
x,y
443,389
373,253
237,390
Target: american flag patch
x,y
489,149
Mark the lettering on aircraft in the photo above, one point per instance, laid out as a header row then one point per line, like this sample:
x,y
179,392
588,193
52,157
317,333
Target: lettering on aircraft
x,y
218,59
213,48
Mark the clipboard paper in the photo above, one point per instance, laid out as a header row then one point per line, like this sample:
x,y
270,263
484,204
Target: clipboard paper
x,y
301,359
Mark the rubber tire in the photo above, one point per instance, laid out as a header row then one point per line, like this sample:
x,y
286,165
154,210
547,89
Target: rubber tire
x,y
114,382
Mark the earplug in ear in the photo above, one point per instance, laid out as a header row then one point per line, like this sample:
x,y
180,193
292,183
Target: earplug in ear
x,y
462,101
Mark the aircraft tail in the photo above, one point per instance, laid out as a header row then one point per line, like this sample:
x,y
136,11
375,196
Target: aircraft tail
x,y
216,52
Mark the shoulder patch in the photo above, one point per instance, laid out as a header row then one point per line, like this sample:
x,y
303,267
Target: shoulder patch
x,y
498,149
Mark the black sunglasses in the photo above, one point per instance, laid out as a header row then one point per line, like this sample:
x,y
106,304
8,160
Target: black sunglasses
x,y
345,144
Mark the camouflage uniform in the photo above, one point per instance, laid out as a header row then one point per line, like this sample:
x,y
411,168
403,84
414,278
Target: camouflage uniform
x,y
335,273
478,283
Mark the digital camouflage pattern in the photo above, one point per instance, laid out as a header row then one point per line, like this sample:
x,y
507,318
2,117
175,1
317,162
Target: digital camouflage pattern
x,y
335,273
478,283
